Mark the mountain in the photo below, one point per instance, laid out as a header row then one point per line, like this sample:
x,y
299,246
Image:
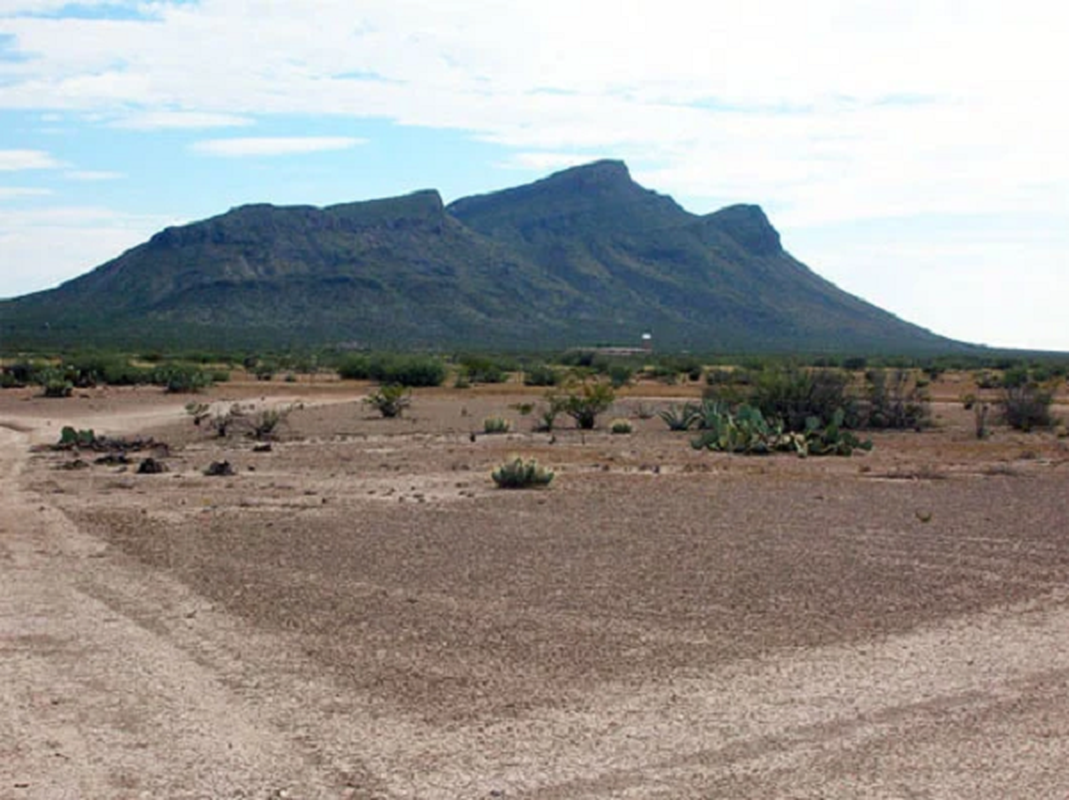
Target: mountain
x,y
584,256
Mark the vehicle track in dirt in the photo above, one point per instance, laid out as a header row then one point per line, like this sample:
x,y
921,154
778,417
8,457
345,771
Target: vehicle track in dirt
x,y
143,660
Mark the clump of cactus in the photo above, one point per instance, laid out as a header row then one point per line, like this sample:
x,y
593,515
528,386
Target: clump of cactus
x,y
496,425
746,430
521,474
70,438
620,426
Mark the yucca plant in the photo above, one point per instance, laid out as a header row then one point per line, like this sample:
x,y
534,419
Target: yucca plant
x,y
521,474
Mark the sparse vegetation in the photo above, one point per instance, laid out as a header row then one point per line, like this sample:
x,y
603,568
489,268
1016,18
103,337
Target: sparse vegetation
x,y
680,417
521,474
541,375
590,401
1025,405
390,400
495,425
896,401
401,370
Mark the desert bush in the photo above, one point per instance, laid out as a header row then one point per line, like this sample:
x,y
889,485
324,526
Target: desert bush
x,y
390,400
88,370
794,395
895,401
547,416
620,426
54,383
265,424
496,425
484,369
680,418
401,370
1026,406
521,474
620,375
541,375
590,401
181,378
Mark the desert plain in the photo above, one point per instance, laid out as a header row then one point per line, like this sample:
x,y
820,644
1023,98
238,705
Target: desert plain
x,y
360,612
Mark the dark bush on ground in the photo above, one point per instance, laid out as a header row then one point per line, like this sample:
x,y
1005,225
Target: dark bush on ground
x,y
794,395
402,370
540,375
587,403
181,378
1026,406
895,401
484,369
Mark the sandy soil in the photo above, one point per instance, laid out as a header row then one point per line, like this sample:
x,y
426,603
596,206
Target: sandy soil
x,y
359,612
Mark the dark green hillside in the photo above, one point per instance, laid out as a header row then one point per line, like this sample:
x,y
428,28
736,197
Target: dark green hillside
x,y
584,256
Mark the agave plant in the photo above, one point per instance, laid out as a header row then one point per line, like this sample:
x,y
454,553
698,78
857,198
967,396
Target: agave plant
x,y
680,418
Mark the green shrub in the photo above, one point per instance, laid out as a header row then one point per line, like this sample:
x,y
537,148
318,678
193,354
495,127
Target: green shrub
x,y
402,370
54,383
895,401
620,426
496,425
390,400
483,369
181,378
586,405
520,474
540,375
620,375
547,417
794,395
7,381
71,437
1026,406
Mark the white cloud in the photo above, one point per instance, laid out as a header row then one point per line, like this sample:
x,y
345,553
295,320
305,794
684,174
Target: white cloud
x,y
273,145
11,192
17,160
188,120
93,175
826,112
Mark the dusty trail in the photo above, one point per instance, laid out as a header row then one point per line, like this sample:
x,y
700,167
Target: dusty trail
x,y
94,702
117,681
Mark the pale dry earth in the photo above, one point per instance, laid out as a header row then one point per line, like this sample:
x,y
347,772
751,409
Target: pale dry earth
x,y
360,613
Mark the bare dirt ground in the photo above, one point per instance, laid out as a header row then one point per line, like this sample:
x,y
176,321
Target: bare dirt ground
x,y
360,613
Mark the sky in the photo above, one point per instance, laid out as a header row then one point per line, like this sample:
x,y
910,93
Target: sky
x,y
914,153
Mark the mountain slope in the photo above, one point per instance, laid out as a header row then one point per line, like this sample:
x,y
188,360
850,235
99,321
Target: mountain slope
x,y
583,256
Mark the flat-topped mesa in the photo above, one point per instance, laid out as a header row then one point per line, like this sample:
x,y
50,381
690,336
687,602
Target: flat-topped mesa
x,y
263,221
747,225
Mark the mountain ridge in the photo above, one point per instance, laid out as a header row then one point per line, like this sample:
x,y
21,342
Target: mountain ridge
x,y
584,255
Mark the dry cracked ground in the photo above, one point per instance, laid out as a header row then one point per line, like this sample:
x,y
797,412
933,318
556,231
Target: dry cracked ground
x,y
360,613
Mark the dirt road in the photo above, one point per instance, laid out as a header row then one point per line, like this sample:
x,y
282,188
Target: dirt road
x,y
121,678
